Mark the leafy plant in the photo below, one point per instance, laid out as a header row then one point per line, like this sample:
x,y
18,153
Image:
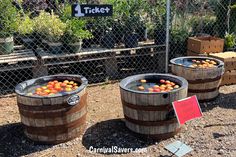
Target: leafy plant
x,y
75,28
8,18
75,31
50,26
26,26
178,41
179,35
205,24
230,40
128,13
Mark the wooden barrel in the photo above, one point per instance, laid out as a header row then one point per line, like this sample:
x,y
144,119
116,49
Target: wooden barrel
x,y
52,119
151,115
204,83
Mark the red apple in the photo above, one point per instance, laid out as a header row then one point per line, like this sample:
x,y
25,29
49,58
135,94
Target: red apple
x,y
50,86
50,83
58,88
150,89
63,84
167,82
54,91
157,90
156,86
44,94
55,81
162,88
172,84
162,81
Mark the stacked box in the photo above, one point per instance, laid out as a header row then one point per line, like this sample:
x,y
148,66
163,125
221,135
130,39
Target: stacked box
x,y
204,45
229,58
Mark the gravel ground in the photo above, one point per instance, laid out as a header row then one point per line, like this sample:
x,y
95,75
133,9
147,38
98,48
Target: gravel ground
x,y
210,136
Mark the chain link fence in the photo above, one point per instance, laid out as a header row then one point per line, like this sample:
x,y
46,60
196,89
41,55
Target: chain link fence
x,y
40,37
201,18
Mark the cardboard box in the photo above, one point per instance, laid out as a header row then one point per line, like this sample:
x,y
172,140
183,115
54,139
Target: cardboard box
x,y
192,53
229,58
205,44
229,78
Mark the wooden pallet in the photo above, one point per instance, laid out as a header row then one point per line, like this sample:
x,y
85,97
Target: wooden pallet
x,y
19,59
95,54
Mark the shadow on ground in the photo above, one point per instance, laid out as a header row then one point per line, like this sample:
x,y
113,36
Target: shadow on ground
x,y
111,133
227,101
13,142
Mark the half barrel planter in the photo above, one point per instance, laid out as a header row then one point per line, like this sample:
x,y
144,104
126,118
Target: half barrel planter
x,y
151,115
204,83
51,119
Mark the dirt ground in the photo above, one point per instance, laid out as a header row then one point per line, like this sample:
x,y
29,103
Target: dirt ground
x,y
210,136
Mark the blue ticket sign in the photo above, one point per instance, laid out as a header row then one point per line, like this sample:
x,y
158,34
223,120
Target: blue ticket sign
x,y
88,10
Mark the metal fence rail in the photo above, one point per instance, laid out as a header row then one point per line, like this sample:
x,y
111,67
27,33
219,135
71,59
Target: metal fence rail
x,y
40,37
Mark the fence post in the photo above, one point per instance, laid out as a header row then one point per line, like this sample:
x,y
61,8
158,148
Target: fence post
x,y
167,33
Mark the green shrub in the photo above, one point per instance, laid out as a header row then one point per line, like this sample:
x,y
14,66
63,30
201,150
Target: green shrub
x,y
26,26
49,26
75,28
230,40
8,18
75,31
205,24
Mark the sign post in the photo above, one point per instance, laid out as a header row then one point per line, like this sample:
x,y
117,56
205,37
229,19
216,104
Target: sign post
x,y
185,110
89,10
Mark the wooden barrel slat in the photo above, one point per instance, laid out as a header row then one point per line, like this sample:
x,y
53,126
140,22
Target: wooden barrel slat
x,y
55,139
58,129
32,121
53,113
146,114
204,83
203,90
150,123
52,120
149,107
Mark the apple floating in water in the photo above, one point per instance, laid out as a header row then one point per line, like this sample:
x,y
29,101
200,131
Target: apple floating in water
x,y
143,81
151,89
203,64
161,86
162,81
53,87
141,88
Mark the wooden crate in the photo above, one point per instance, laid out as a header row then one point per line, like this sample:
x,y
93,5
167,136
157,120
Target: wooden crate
x,y
229,78
229,58
205,44
192,53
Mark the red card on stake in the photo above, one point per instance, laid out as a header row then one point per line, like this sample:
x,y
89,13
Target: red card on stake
x,y
187,109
